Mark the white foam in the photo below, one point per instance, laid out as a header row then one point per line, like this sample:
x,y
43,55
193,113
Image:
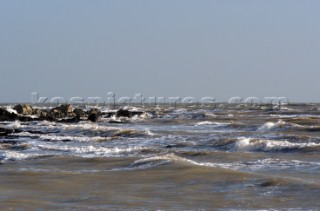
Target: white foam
x,y
86,126
211,123
90,151
210,114
16,155
149,133
14,125
250,144
258,165
278,164
25,134
10,109
174,158
272,125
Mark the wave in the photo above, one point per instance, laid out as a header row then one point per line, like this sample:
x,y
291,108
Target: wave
x,y
115,135
211,123
9,155
285,126
269,126
266,164
251,144
92,151
263,145
169,158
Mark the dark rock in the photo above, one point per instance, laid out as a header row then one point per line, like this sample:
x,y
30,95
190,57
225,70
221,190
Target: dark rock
x,y
7,116
93,117
62,111
47,118
123,113
127,113
133,113
24,109
94,114
94,111
18,108
26,119
269,183
79,112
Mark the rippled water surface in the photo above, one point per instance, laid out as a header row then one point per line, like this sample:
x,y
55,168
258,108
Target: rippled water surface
x,y
169,159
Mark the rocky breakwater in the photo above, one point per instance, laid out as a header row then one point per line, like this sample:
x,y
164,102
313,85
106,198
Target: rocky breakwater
x,y
63,113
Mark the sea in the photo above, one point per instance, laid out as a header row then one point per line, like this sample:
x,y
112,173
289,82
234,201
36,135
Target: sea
x,y
227,157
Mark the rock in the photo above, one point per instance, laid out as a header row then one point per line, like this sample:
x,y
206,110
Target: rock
x,y
70,120
26,118
269,183
7,116
93,117
94,114
133,113
79,112
62,111
47,118
43,114
123,113
18,108
126,113
94,111
24,109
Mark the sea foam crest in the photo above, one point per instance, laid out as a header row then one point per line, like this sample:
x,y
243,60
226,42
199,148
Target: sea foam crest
x,y
251,144
91,151
257,165
211,123
272,125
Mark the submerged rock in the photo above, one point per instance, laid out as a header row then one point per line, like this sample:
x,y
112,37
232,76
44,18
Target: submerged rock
x,y
127,113
123,113
5,132
93,117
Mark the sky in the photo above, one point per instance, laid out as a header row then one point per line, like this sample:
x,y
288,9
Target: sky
x,y
199,48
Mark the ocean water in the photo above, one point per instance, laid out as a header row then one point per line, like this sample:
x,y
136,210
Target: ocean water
x,y
186,158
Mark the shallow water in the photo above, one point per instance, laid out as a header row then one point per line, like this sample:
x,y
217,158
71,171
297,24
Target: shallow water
x,y
170,159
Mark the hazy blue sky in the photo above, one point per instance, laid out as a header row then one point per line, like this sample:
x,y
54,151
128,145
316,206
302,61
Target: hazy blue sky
x,y
197,48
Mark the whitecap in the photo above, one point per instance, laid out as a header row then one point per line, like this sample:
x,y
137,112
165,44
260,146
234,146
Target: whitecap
x,y
10,109
272,125
211,123
251,144
91,151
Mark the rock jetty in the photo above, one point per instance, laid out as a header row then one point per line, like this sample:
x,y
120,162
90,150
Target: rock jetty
x,y
63,113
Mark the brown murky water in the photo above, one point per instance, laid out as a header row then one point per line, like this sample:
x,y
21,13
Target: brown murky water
x,y
89,184
175,159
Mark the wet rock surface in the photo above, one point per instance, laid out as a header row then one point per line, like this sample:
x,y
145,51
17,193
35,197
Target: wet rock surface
x,y
7,116
63,113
